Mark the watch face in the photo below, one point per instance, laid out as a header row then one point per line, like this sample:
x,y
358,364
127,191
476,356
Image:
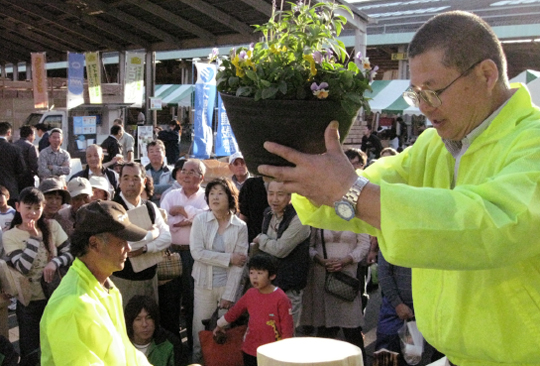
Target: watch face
x,y
344,210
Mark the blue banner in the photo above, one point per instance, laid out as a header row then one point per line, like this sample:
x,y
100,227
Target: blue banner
x,y
75,79
205,99
225,140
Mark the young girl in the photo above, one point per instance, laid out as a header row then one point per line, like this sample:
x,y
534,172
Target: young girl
x,y
269,308
36,247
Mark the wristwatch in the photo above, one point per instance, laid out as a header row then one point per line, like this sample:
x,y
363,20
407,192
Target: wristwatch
x,y
346,207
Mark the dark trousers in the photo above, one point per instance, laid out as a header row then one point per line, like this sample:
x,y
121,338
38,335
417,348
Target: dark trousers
x,y
188,287
169,305
28,318
249,360
7,351
352,335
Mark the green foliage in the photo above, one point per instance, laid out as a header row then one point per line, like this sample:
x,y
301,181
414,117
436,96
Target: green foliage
x,y
299,52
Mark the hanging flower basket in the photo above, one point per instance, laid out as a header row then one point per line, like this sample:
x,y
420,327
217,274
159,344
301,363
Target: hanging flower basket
x,y
299,124
291,85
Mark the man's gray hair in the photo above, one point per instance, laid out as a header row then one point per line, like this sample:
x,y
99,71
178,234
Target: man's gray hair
x,y
201,168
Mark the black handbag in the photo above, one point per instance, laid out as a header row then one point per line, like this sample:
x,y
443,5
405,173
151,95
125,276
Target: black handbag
x,y
340,284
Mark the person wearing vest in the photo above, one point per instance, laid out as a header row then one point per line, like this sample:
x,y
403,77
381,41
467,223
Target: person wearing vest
x,y
94,167
139,276
284,237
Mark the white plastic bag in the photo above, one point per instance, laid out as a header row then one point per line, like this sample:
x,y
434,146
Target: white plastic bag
x,y
412,342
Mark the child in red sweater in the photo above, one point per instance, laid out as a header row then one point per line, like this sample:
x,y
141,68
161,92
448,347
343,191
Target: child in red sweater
x,y
270,311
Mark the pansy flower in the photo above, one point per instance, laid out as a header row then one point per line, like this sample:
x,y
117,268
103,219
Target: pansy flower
x,y
320,90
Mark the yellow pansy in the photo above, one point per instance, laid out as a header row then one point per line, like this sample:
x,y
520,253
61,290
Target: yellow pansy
x,y
236,62
311,61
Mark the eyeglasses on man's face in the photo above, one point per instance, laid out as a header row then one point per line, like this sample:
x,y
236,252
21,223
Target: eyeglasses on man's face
x,y
431,97
190,172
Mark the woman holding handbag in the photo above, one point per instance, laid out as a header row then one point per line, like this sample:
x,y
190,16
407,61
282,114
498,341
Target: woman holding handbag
x,y
333,252
36,247
219,244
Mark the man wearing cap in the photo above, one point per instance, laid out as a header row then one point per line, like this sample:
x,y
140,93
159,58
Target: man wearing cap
x,y
83,323
238,168
54,161
81,192
56,196
100,188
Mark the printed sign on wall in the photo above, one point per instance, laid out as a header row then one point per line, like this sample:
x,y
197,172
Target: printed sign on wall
x,y
93,73
39,79
205,98
75,80
134,83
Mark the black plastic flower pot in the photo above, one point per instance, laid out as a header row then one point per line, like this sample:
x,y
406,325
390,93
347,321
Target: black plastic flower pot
x,y
299,124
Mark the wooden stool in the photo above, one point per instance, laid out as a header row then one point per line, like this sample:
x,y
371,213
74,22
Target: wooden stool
x,y
309,351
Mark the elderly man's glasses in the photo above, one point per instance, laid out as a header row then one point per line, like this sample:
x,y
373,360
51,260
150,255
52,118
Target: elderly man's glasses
x,y
431,97
190,172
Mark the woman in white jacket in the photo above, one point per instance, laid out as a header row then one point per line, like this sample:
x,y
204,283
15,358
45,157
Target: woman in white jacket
x,y
219,245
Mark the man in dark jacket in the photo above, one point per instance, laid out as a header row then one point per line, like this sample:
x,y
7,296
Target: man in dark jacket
x,y
11,164
42,131
30,156
112,148
284,237
371,144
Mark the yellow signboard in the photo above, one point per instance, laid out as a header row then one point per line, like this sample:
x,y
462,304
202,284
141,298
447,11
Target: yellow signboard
x,y
399,56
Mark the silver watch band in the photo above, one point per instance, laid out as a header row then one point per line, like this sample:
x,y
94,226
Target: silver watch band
x,y
354,192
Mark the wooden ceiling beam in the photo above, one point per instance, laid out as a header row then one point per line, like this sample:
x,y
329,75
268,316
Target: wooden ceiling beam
x,y
30,23
139,24
220,16
28,46
58,47
100,24
260,5
67,25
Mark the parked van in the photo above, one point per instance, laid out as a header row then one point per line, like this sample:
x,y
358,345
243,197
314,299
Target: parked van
x,y
82,126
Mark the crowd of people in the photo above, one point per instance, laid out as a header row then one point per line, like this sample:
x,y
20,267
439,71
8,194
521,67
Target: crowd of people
x,y
217,227
458,207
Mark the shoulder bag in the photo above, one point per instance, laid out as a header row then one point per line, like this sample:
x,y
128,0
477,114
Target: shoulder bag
x,y
340,284
170,267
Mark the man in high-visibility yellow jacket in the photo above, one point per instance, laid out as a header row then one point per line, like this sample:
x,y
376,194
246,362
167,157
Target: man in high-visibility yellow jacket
x,y
461,206
83,323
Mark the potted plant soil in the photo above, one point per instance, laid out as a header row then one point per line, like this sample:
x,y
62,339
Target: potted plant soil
x,y
290,85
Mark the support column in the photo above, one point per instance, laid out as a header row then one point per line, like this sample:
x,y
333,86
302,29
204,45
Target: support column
x,y
150,85
121,77
360,40
28,71
15,71
403,65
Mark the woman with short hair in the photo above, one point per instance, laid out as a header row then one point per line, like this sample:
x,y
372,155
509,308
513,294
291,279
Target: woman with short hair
x,y
219,245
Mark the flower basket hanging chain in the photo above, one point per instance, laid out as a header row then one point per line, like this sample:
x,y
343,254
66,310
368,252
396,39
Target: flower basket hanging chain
x,y
299,58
